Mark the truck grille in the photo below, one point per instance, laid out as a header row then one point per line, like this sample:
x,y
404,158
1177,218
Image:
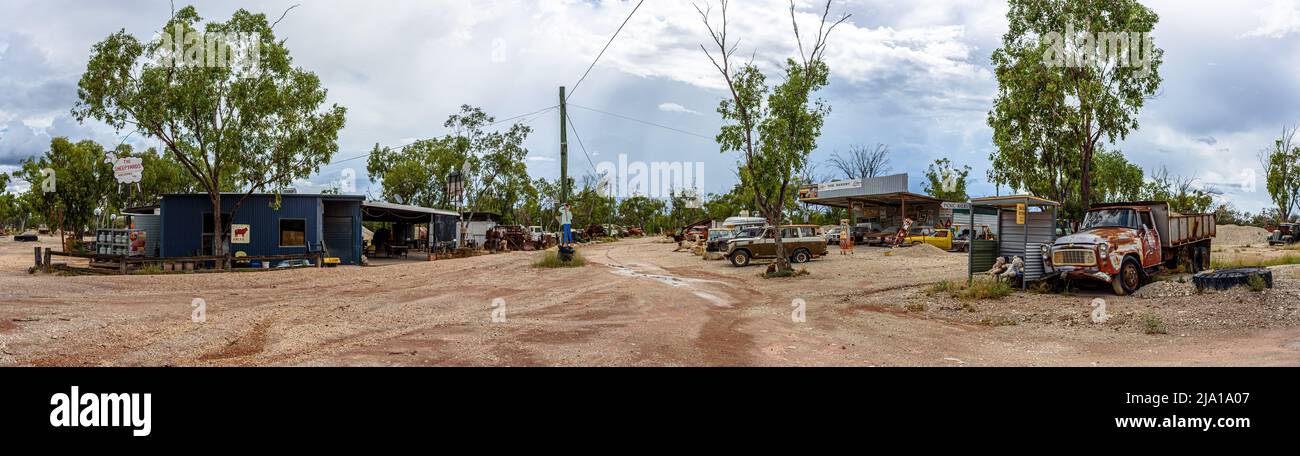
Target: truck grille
x,y
1074,258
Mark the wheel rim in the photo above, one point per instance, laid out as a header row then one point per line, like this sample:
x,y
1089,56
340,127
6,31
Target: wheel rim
x,y
801,257
1130,276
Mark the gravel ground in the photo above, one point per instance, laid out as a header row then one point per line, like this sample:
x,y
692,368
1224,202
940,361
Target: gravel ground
x,y
635,303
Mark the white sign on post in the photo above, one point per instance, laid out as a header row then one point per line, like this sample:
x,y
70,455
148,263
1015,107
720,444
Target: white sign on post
x,y
128,170
952,205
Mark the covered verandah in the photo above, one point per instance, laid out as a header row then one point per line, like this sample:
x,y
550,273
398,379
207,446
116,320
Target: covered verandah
x,y
401,232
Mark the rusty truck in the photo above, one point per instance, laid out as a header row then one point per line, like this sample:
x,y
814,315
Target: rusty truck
x,y
1123,244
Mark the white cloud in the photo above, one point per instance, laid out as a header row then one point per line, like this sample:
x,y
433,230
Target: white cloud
x,y
1279,19
674,107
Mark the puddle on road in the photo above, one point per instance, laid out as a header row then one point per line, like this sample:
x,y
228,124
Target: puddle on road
x,y
673,281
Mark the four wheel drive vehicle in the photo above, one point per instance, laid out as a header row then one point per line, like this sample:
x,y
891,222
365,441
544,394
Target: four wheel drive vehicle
x,y
801,242
832,236
536,234
720,244
1123,243
940,237
1284,234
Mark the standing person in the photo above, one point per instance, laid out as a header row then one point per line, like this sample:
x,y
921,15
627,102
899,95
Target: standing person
x,y
566,219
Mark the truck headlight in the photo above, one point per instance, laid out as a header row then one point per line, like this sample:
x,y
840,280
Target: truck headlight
x,y
1103,250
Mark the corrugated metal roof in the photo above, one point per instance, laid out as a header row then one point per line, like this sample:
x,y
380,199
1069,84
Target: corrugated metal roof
x,y
403,207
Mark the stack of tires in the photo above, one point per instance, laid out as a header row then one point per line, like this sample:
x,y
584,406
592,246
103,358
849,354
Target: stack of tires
x,y
1229,278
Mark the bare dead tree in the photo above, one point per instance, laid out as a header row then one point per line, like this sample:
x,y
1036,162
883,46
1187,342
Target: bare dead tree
x,y
861,161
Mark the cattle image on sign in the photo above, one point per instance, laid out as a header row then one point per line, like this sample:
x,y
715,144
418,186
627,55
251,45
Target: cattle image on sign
x,y
239,233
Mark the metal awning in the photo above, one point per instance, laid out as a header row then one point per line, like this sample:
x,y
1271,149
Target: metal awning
x,y
893,199
380,211
1012,200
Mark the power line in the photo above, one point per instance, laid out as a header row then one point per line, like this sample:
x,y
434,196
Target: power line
x,y
602,51
644,122
580,146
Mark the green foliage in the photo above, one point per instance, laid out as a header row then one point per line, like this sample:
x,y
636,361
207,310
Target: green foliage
x,y
1114,178
1178,191
1049,120
83,180
255,126
945,182
1282,164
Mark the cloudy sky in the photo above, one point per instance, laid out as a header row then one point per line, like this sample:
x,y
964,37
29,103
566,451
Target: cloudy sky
x,y
914,75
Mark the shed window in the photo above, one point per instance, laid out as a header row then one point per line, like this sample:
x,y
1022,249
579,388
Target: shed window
x,y
293,233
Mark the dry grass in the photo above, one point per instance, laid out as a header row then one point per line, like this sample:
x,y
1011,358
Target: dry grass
x,y
978,289
1255,262
551,259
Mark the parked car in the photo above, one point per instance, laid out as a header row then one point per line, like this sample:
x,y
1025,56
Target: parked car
x,y
1284,234
938,237
801,242
1124,243
881,236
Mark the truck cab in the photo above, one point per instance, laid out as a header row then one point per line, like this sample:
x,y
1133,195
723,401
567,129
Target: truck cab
x,y
1124,243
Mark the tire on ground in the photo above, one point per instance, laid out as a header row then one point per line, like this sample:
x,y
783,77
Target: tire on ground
x,y
1229,278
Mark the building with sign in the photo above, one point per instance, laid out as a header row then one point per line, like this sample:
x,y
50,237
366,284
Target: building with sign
x,y
301,224
880,201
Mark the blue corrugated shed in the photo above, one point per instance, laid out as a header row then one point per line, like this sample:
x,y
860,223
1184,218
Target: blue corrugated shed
x,y
331,222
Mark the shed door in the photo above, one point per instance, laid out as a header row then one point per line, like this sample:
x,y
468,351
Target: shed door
x,y
340,241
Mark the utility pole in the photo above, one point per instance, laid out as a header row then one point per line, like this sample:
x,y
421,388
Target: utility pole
x,y
564,151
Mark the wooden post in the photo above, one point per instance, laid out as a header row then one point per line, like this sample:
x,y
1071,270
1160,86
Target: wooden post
x,y
121,265
38,257
47,258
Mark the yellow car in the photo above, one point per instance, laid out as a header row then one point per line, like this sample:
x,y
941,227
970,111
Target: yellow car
x,y
941,238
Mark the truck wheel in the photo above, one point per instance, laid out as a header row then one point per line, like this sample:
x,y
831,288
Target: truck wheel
x,y
1204,258
1129,278
740,258
801,256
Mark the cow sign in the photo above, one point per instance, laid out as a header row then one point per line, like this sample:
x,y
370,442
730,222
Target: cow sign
x,y
239,233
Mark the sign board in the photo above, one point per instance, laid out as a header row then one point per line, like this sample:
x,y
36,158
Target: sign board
x,y
128,170
839,185
807,192
952,205
239,233
1020,213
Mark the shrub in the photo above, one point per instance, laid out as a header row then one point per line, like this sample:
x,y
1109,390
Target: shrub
x,y
1256,283
1153,324
551,259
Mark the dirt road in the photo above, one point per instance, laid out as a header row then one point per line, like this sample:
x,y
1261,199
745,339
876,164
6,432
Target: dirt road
x,y
637,303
